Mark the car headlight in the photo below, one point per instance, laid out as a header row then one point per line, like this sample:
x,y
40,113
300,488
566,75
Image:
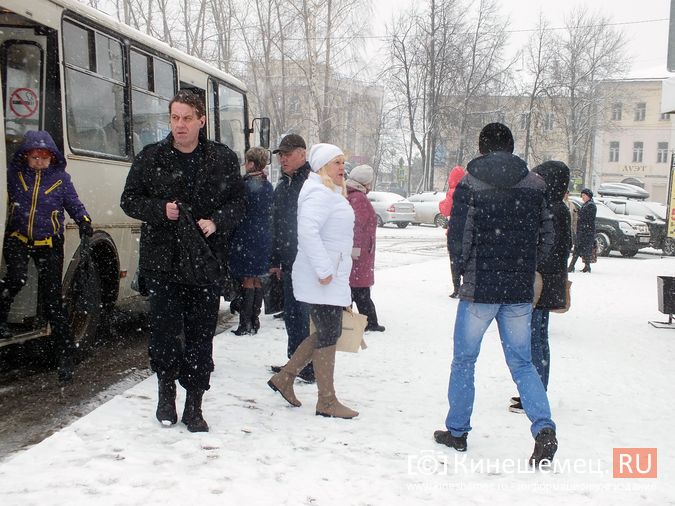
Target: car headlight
x,y
627,228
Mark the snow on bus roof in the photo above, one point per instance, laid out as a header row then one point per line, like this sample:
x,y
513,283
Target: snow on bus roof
x,y
107,20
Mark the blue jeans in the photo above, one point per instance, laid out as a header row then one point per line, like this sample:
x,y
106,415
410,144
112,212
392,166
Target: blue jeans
x,y
541,354
513,321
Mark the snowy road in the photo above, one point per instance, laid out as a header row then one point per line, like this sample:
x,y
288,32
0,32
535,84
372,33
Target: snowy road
x,y
611,388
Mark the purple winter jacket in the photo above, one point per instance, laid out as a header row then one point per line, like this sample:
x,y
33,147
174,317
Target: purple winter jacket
x,y
37,198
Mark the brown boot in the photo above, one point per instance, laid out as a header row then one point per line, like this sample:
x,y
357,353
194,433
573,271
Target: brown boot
x,y
324,369
282,381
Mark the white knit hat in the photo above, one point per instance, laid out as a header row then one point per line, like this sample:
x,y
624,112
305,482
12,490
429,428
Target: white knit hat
x,y
321,154
363,174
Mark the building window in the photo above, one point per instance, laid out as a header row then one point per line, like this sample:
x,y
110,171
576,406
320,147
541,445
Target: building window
x,y
665,116
616,112
640,111
523,121
548,121
614,151
638,148
662,152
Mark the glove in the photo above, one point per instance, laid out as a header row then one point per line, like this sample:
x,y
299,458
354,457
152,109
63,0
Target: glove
x,y
85,229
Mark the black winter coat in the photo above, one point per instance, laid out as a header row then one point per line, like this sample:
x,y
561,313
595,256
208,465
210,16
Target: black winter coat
x,y
553,268
156,177
585,229
285,218
500,228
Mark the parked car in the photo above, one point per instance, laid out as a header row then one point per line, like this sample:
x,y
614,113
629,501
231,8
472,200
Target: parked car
x,y
391,208
651,214
616,233
426,208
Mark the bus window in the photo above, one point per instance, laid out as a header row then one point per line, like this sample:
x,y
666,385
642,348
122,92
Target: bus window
x,y
153,86
95,92
229,118
22,67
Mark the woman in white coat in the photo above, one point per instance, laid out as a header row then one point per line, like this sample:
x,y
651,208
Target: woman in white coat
x,y
321,276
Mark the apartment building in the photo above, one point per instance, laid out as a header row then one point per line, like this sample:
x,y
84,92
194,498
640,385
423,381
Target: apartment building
x,y
633,141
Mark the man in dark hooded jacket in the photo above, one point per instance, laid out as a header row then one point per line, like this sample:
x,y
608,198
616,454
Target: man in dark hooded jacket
x,y
183,171
499,228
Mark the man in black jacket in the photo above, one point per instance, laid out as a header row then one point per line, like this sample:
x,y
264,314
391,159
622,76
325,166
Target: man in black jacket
x,y
295,169
499,229
184,171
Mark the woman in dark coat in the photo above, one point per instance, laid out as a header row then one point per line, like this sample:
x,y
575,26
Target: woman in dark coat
x,y
585,238
252,241
363,257
552,269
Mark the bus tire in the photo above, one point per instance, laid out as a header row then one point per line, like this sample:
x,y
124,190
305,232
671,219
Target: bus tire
x,y
85,321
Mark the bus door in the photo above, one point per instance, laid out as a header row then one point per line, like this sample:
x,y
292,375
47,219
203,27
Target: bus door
x,y
24,53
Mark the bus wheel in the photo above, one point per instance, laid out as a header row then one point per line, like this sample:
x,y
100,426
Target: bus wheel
x,y
85,305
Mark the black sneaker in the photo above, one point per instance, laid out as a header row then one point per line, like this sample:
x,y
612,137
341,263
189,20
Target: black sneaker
x,y
374,328
307,374
445,438
545,446
5,333
275,368
516,407
66,368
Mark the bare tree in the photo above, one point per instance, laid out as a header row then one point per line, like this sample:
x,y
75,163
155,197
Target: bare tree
x,y
481,71
536,57
423,60
588,50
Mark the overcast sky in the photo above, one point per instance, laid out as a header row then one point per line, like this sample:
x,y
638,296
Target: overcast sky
x,y
645,24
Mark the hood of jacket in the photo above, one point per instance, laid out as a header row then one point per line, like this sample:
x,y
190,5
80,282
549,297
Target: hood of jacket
x,y
455,176
499,168
36,139
556,175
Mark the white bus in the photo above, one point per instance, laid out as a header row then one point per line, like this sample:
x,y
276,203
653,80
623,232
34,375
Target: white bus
x,y
102,90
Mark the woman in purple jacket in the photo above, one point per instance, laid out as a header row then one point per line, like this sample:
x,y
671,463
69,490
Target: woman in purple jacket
x,y
39,190
360,182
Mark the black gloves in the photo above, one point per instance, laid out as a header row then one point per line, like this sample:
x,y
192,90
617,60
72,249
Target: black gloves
x,y
85,229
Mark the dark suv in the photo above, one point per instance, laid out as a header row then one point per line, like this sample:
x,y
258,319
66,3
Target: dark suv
x,y
651,214
617,233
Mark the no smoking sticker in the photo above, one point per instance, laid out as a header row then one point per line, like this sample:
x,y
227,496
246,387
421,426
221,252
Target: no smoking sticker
x,y
23,102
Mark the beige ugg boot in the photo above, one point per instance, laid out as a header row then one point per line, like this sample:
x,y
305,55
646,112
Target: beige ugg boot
x,y
282,381
324,369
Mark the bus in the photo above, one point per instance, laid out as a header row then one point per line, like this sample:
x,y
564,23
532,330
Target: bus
x,y
101,89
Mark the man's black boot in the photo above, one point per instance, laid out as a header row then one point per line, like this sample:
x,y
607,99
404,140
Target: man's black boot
x,y
444,437
166,404
545,446
192,414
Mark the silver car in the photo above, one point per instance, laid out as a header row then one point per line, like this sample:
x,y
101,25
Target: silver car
x,y
391,208
426,208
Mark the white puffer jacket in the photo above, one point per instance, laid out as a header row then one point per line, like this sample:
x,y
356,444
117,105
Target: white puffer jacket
x,y
325,240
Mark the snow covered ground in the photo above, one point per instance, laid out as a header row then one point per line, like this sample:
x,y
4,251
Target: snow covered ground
x,y
612,382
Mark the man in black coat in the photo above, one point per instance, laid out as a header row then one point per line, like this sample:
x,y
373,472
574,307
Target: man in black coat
x,y
295,169
184,171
